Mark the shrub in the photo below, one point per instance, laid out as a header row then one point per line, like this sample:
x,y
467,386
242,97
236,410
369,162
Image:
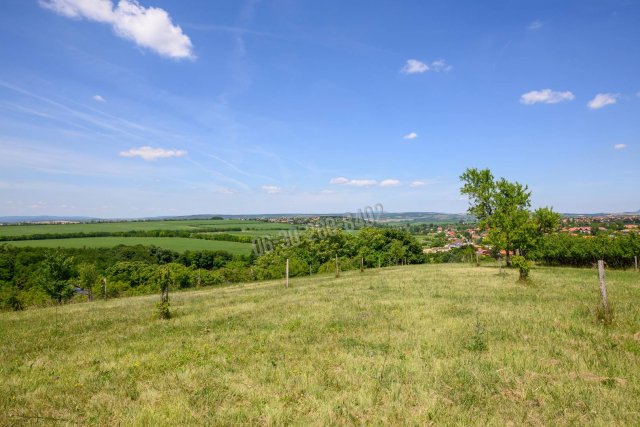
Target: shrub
x,y
523,265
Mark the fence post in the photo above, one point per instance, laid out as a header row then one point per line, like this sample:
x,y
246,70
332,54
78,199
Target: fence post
x,y
286,283
361,264
337,267
603,288
635,259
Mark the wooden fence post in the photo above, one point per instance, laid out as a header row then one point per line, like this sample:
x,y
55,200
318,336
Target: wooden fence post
x,y
286,283
635,259
603,289
104,287
361,264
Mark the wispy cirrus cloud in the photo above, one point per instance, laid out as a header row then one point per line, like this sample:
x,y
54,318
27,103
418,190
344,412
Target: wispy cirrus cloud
x,y
149,27
419,183
620,146
410,136
546,96
602,100
98,98
150,154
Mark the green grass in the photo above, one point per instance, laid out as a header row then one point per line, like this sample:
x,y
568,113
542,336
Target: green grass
x,y
420,345
178,244
22,230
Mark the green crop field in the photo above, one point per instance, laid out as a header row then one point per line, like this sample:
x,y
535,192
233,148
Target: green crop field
x,y
22,230
178,244
419,345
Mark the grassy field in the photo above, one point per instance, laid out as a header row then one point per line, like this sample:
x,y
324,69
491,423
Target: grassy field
x,y
419,345
178,244
22,230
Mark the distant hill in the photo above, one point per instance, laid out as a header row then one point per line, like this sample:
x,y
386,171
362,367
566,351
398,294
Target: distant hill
x,y
44,218
385,217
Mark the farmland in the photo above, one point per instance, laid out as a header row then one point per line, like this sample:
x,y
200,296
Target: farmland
x,y
214,225
428,344
177,244
51,235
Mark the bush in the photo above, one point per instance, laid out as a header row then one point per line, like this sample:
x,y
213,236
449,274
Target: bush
x,y
521,264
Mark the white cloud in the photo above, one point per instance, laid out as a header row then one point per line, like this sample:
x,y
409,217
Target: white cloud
x,y
271,189
620,146
362,182
353,182
602,100
98,98
150,153
545,96
339,181
413,66
535,25
389,183
149,27
440,65
411,135
418,183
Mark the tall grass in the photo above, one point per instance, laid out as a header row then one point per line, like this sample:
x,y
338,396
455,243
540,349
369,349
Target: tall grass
x,y
388,346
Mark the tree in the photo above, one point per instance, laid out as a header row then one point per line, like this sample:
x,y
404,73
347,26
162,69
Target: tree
x,y
501,207
55,274
165,280
87,278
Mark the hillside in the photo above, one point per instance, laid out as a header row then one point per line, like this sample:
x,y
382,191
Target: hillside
x,y
441,344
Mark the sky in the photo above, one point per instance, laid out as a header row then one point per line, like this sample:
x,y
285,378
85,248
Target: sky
x,y
159,107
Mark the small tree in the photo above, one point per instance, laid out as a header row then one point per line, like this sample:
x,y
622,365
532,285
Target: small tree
x,y
164,281
54,278
88,277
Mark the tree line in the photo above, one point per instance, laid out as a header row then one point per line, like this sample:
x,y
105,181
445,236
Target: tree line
x,y
203,233
41,276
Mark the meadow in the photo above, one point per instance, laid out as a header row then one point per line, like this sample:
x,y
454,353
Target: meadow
x,y
177,244
446,344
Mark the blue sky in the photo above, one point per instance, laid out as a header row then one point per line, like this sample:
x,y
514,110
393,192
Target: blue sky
x,y
161,107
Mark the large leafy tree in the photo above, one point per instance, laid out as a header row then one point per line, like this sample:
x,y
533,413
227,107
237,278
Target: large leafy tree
x,y
502,208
